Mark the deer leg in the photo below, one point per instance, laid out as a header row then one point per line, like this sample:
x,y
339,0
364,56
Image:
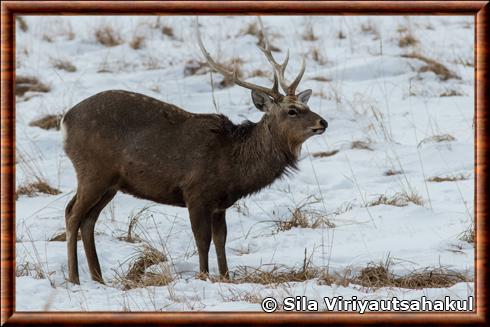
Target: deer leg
x,y
200,217
219,239
87,228
85,199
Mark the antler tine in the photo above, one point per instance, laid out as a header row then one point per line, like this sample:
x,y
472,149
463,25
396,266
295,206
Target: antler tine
x,y
292,88
279,69
274,92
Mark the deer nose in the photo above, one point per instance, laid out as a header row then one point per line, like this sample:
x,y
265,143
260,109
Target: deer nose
x,y
323,123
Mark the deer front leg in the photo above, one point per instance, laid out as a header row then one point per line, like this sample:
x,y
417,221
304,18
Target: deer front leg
x,y
200,216
219,239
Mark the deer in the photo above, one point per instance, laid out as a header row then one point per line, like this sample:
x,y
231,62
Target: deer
x,y
124,141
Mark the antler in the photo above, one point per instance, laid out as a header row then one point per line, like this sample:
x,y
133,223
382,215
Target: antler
x,y
273,92
281,68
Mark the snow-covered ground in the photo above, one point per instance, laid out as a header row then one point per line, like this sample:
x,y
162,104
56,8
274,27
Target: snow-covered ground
x,y
363,84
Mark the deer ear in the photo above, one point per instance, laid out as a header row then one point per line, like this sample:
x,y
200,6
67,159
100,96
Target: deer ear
x,y
304,96
261,100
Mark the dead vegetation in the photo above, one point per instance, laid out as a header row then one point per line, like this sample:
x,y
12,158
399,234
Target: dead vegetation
x,y
304,217
392,172
22,23
407,40
24,84
137,275
375,276
234,65
370,28
309,32
437,139
361,145
341,35
320,79
319,57
108,36
133,221
195,67
400,199
468,235
168,31
137,42
449,178
253,29
430,65
451,93
63,64
48,122
324,154
34,188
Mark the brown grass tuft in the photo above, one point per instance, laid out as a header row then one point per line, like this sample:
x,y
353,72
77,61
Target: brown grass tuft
x,y
408,40
325,154
25,84
452,178
168,31
468,235
108,37
195,67
234,65
392,172
317,56
451,93
379,275
321,79
341,35
397,200
138,277
137,42
431,65
47,122
309,33
361,145
437,139
303,217
63,65
258,73
32,189
22,23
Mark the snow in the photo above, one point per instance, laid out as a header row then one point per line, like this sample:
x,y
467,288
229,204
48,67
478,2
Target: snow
x,y
374,95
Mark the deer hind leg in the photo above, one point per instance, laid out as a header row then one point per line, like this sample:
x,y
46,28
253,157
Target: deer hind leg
x,y
219,239
87,228
200,217
76,211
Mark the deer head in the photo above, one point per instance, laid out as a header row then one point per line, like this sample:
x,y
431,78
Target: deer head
x,y
287,115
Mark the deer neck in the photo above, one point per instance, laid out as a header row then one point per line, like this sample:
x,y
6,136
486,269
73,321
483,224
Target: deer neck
x,y
264,155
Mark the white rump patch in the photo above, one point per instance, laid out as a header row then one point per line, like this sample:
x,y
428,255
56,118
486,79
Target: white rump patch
x,y
63,128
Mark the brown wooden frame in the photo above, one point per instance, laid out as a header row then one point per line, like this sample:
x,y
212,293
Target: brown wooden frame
x,y
479,9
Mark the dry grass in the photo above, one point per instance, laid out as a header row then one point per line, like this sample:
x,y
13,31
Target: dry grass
x,y
303,217
22,23
61,237
34,188
319,57
258,73
451,93
63,64
250,29
133,221
407,40
392,172
138,277
370,28
320,79
168,31
195,67
397,200
375,276
341,35
47,122
108,36
234,65
324,154
24,84
242,296
468,235
361,145
34,270
431,65
452,178
137,42
437,139
309,32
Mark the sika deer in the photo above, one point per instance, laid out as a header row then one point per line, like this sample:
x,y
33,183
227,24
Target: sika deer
x,y
124,141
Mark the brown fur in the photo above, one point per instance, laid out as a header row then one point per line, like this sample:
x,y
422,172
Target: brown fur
x,y
124,141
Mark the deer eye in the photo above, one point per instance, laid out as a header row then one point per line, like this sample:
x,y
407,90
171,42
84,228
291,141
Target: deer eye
x,y
292,113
